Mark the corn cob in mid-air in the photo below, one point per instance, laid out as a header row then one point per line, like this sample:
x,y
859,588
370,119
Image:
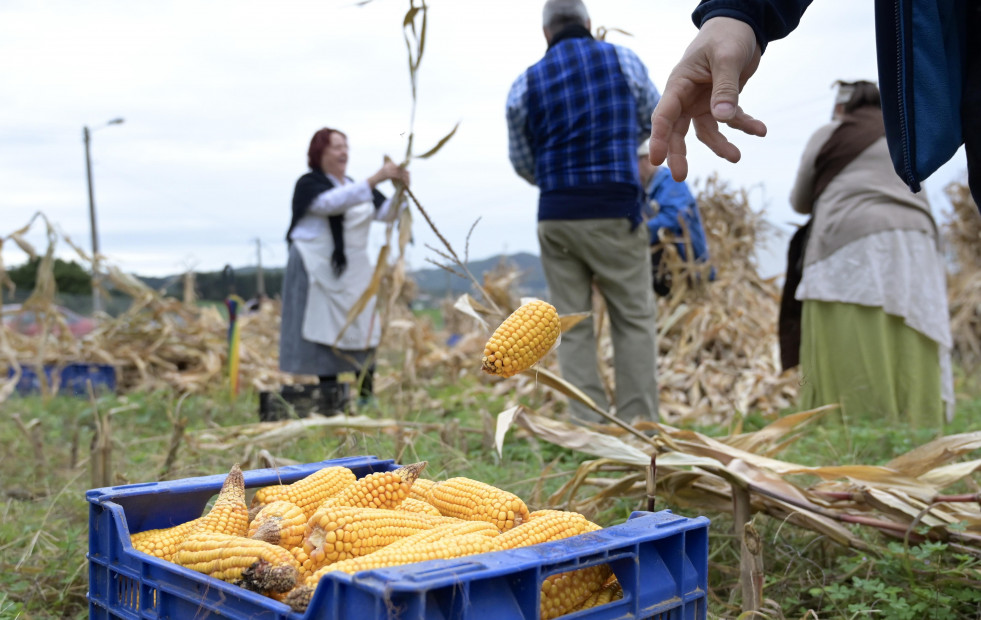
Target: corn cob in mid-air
x,y
522,339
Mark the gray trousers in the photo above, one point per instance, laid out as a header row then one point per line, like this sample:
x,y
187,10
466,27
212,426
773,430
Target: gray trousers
x,y
575,255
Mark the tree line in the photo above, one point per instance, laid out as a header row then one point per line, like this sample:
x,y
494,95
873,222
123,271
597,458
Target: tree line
x,y
74,280
218,285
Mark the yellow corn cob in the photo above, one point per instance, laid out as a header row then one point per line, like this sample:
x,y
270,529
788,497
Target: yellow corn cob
x,y
229,515
336,533
411,504
588,526
302,559
280,523
253,564
423,540
564,592
419,488
543,526
448,528
299,597
611,591
522,339
545,512
383,489
409,552
464,498
307,493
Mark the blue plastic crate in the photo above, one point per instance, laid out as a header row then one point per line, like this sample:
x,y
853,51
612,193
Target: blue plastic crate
x,y
660,559
71,378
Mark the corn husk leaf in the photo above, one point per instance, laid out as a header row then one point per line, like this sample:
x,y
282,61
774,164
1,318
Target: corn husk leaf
x,y
568,321
439,144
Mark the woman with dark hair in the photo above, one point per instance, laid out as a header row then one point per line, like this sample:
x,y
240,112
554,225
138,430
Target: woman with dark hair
x,y
875,329
329,268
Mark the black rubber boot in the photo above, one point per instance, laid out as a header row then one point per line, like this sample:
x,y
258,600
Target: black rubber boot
x,y
334,396
292,401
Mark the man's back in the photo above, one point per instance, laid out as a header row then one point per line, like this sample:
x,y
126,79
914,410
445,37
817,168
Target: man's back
x,y
574,121
581,116
575,118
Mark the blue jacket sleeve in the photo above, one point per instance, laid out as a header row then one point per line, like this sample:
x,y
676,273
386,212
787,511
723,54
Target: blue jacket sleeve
x,y
769,19
674,199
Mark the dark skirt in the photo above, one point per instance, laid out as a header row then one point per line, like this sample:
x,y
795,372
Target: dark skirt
x,y
302,357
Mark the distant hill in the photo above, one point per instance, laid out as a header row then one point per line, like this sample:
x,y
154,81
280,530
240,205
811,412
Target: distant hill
x,y
433,283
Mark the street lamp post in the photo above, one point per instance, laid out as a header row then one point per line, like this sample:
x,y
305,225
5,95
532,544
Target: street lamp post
x,y
96,293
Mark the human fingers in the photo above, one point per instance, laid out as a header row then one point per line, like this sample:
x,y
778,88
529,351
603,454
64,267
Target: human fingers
x,y
677,158
687,93
707,132
663,119
747,124
392,170
702,91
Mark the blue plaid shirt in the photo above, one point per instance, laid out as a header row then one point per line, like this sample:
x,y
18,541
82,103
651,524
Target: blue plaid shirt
x,y
575,118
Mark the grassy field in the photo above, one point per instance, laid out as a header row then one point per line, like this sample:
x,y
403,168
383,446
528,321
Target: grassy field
x,y
45,471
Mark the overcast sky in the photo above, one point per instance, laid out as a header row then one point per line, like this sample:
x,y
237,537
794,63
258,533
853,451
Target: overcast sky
x,y
220,100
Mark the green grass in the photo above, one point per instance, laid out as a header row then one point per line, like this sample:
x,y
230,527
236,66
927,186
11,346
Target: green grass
x,y
43,515
435,316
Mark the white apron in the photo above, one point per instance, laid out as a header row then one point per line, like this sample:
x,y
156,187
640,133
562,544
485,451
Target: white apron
x,y
329,298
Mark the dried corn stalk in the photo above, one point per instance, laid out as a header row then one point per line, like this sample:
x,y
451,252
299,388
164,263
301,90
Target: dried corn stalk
x,y
963,237
903,497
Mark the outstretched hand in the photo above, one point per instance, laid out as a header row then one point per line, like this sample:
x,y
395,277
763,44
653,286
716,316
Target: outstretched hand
x,y
390,171
703,90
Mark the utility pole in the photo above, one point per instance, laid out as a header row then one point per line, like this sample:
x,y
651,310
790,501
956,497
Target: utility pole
x,y
96,277
96,295
260,285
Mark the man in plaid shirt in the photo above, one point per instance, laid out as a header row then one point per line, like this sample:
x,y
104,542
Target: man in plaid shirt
x,y
575,119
